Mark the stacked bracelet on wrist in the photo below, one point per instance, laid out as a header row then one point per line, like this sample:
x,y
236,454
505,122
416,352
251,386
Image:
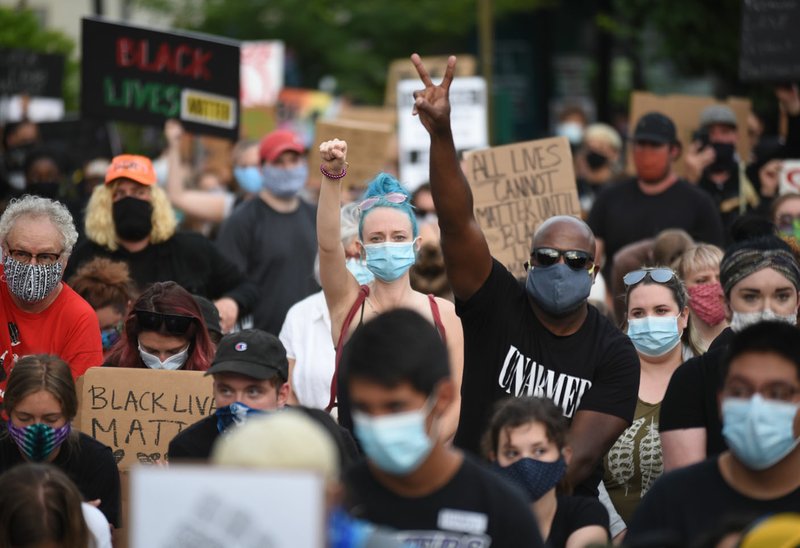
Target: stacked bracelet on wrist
x,y
331,175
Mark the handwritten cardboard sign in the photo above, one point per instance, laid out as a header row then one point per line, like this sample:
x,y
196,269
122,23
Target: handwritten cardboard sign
x,y
367,147
517,187
137,412
188,506
146,76
684,110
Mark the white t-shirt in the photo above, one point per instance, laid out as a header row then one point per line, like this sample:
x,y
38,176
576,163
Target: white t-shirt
x,y
306,334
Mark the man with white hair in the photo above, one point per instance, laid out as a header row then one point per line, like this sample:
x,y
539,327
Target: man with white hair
x,y
39,313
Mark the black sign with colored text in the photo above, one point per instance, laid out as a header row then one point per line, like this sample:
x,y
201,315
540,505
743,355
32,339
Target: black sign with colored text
x,y
146,76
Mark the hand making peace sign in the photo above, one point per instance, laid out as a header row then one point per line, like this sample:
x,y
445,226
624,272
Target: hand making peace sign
x,y
433,103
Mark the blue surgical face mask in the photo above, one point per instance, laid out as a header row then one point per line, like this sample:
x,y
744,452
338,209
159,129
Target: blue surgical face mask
x,y
760,432
249,178
390,260
396,443
536,477
558,289
359,269
236,413
654,335
284,182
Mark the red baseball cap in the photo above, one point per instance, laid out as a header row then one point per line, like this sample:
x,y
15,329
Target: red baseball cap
x,y
279,141
132,166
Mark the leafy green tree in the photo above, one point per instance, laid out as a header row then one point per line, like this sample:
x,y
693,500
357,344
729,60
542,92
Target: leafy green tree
x,y
20,29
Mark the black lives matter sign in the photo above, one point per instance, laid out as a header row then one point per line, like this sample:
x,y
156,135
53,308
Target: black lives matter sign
x,y
145,76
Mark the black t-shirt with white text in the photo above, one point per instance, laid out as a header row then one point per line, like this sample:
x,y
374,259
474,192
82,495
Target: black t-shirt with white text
x,y
508,352
687,503
475,509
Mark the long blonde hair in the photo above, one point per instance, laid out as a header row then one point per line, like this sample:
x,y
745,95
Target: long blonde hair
x,y
100,222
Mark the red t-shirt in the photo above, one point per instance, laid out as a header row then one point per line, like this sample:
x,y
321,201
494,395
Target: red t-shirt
x,y
67,328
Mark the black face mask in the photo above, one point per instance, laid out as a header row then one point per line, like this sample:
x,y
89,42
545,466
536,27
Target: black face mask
x,y
132,218
46,189
595,160
724,158
15,156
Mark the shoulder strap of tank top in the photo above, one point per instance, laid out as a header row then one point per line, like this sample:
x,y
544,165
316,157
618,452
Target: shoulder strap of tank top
x,y
363,293
437,318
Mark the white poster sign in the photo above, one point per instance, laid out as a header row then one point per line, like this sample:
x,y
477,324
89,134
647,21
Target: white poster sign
x,y
261,73
190,506
468,118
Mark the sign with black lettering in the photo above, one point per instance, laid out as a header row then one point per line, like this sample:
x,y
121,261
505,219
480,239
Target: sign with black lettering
x,y
770,43
29,73
137,412
145,76
517,187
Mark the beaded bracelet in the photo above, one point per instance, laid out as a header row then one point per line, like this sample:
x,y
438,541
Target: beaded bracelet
x,y
331,175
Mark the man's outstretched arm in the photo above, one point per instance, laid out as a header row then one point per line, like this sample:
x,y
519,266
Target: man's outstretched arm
x,y
466,252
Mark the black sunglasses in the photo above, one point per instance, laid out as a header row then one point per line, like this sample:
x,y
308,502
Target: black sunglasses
x,y
658,275
548,256
152,321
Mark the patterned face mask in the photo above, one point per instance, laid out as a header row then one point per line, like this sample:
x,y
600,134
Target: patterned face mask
x,y
38,441
31,283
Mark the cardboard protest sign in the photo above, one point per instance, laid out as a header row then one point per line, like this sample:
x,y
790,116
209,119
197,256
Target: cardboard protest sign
x,y
403,69
261,73
146,76
684,110
468,120
367,147
137,412
770,44
517,187
189,506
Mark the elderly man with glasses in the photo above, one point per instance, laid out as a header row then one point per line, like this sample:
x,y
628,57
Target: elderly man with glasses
x,y
40,314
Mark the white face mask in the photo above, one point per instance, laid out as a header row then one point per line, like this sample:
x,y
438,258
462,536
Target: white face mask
x,y
172,363
741,320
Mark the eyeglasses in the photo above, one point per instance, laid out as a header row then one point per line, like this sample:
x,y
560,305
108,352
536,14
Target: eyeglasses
x,y
778,391
41,258
658,275
173,323
573,258
392,197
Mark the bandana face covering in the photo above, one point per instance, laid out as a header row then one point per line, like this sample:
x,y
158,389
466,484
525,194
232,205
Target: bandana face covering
x,y
706,301
31,283
38,441
235,413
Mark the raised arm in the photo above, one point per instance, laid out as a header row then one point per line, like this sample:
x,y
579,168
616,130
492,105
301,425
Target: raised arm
x,y
195,203
338,285
466,253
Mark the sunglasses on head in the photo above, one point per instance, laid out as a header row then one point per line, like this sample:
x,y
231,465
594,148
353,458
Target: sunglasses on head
x,y
392,197
152,321
658,275
573,258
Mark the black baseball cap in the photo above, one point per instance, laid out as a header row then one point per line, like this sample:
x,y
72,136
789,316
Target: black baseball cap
x,y
210,314
253,353
655,128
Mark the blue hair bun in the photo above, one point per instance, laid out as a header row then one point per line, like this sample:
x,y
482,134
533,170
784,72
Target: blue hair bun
x,y
380,186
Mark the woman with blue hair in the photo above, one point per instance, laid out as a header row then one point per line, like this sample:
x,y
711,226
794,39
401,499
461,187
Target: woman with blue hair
x,y
388,241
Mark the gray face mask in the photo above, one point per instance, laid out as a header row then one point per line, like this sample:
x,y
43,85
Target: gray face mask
x,y
558,289
31,283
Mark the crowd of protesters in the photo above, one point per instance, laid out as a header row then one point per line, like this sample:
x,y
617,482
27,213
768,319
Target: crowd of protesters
x,y
640,385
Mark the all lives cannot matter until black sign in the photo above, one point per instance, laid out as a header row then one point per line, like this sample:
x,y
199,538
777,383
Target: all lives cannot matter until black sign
x,y
146,76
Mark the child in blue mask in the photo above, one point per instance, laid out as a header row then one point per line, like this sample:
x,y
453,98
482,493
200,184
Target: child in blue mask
x,y
526,441
657,315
